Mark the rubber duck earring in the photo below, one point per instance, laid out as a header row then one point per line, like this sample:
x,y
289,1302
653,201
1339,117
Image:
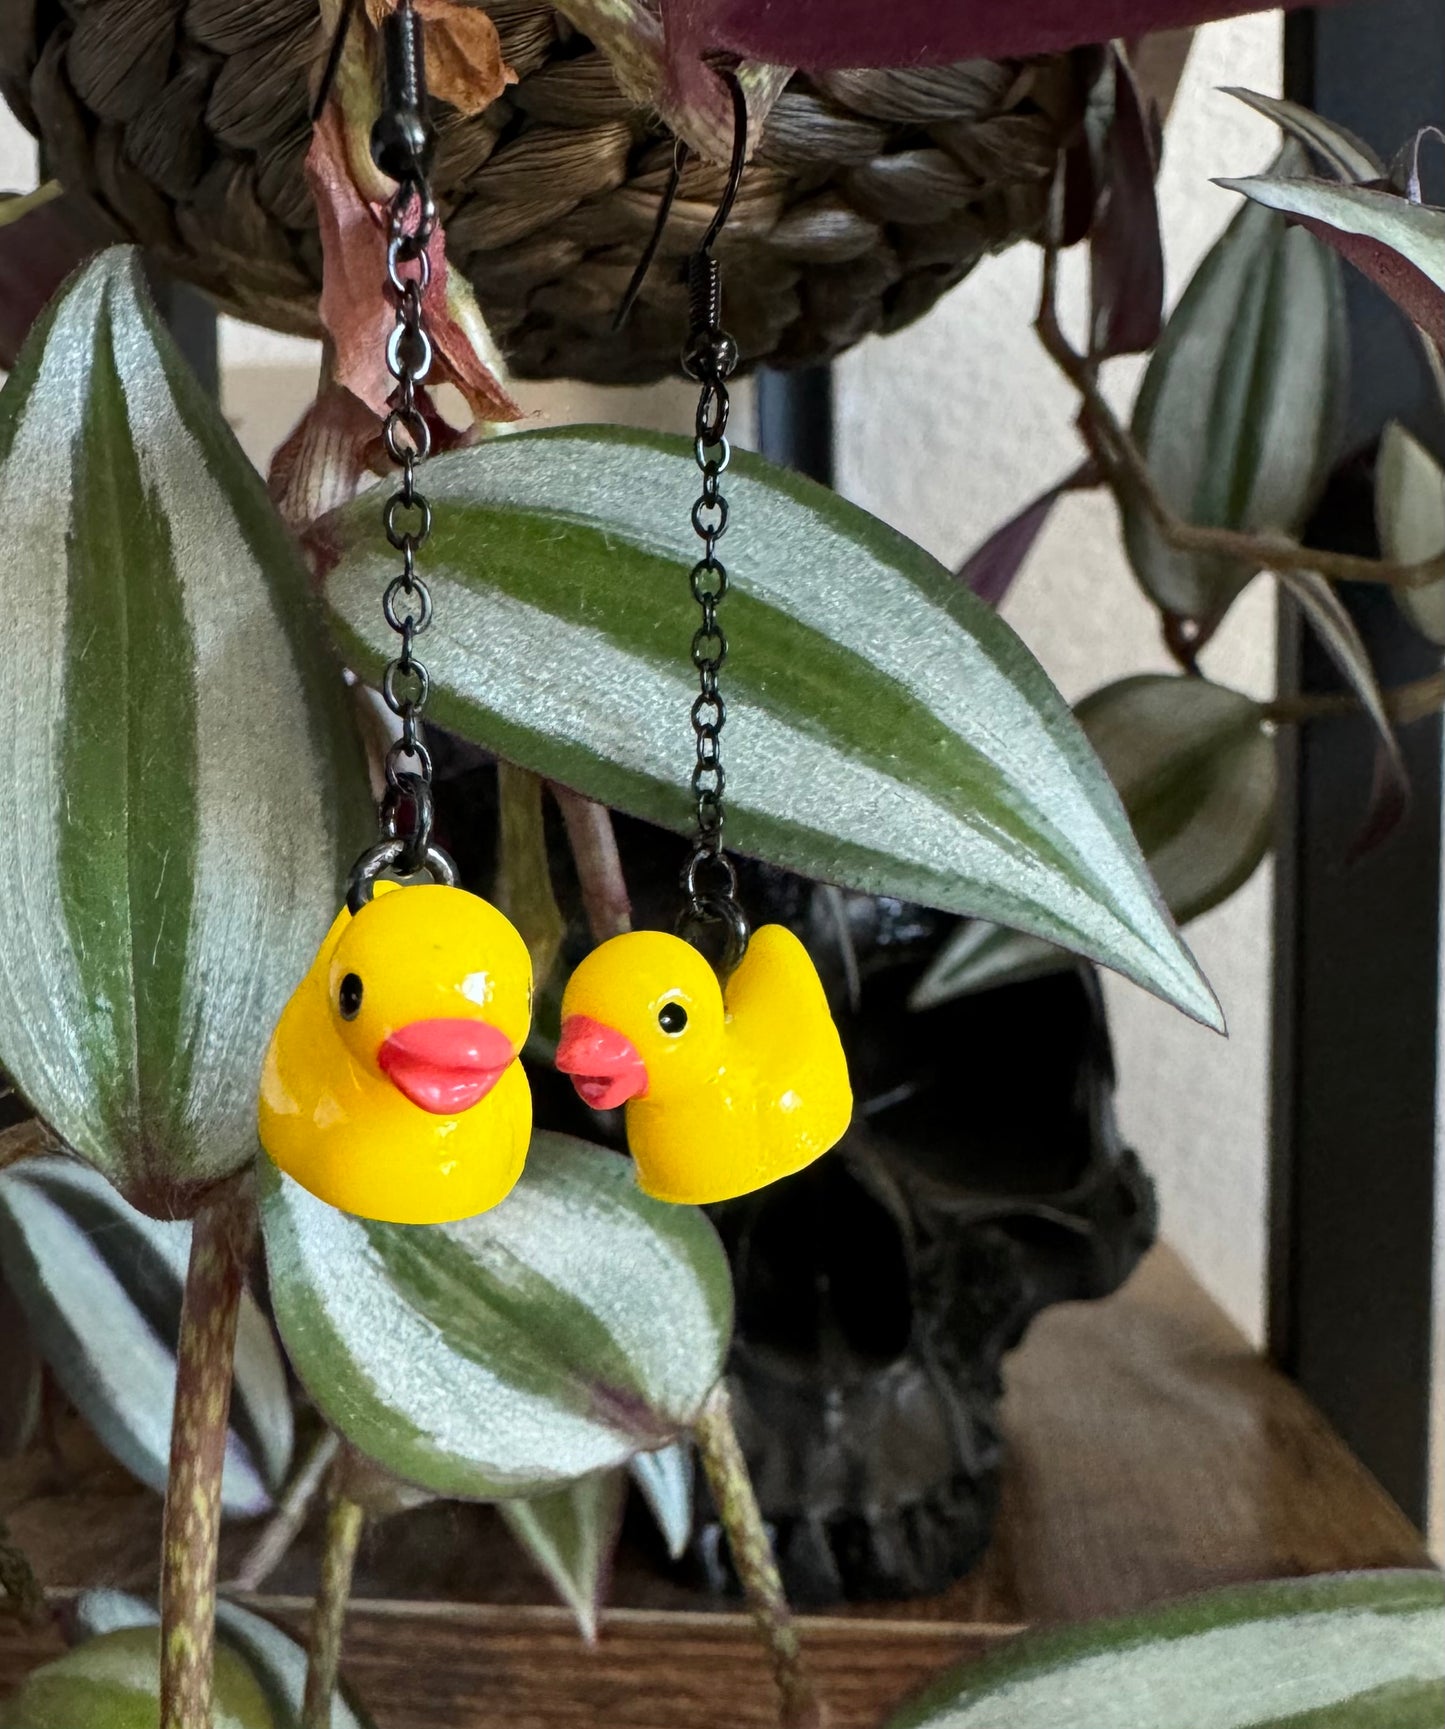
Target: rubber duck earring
x,y
391,1087
729,1082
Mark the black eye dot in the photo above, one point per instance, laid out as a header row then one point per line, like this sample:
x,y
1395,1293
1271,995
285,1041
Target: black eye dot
x,y
672,1017
349,997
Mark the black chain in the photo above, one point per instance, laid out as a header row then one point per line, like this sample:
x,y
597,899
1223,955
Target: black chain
x,y
407,517
710,357
401,144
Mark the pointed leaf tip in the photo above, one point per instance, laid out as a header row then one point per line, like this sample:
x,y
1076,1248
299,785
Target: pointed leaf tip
x,y
886,730
571,1534
1400,246
1195,769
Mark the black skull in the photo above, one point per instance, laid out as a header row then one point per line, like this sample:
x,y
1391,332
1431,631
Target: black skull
x,y
878,1291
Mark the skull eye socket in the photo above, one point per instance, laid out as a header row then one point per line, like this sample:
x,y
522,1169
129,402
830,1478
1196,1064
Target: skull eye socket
x,y
672,1018
349,997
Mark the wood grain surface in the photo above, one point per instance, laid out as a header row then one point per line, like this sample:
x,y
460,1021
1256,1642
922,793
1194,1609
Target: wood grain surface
x,y
1151,1453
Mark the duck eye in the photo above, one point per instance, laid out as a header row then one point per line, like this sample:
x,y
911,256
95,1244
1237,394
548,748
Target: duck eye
x,y
672,1017
349,997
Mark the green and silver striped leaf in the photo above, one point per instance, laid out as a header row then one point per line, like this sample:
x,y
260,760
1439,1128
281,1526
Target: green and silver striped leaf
x,y
571,1533
885,729
1195,767
1397,243
1353,1651
276,1662
1238,414
578,1323
113,1682
100,1285
184,789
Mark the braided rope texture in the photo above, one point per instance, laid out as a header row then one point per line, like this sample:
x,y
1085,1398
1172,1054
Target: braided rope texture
x,y
184,124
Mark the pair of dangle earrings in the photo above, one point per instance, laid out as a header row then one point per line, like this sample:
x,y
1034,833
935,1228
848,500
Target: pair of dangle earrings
x,y
393,1087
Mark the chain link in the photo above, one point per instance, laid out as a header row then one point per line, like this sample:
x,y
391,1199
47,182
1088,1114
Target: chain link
x,y
401,146
407,515
711,357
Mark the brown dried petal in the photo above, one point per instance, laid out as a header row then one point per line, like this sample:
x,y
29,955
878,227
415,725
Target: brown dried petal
x,y
464,53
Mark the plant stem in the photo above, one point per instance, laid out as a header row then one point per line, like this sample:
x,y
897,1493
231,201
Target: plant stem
x,y
1132,483
599,865
742,1519
1404,703
524,879
18,1581
284,1526
344,1522
205,1354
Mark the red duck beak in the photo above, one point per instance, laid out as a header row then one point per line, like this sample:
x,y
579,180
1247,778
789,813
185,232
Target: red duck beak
x,y
446,1066
605,1067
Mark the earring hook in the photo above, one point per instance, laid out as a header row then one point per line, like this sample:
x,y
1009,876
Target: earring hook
x,y
333,60
737,163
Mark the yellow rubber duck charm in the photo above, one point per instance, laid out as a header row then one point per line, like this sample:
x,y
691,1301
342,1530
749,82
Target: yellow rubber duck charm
x,y
726,1090
391,1088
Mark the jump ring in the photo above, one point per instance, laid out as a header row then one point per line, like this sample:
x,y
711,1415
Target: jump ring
x,y
417,698
715,530
414,366
704,461
400,751
415,590
388,855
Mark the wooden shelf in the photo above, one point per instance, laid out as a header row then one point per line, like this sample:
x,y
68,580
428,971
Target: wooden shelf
x,y
1151,1453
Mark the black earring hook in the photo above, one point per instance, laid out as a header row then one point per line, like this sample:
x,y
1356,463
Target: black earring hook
x,y
736,165
333,60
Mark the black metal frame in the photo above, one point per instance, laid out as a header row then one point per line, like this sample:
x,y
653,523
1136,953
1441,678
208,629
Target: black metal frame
x,y
1356,1012
795,420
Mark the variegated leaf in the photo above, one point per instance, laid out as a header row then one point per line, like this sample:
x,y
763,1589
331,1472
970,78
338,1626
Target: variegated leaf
x,y
571,1534
1397,244
1351,158
276,1662
885,730
1355,1651
1340,637
113,1682
185,789
1195,769
574,1325
1410,517
100,1285
1238,413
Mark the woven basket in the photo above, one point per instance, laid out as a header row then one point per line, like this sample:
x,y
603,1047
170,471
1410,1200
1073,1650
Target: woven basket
x,y
184,123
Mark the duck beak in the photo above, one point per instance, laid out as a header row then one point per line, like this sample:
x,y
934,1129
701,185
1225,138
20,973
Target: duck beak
x,y
605,1067
446,1066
